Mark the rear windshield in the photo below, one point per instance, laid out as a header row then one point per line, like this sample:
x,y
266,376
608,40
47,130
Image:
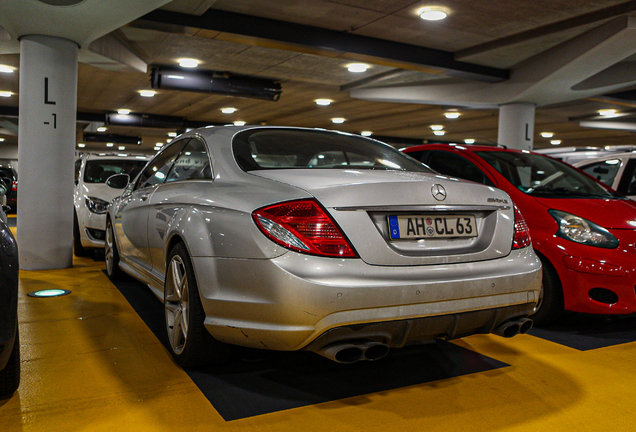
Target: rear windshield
x,y
98,171
264,149
7,172
542,176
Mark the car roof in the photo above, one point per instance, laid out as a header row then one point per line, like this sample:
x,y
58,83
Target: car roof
x,y
112,156
631,155
468,147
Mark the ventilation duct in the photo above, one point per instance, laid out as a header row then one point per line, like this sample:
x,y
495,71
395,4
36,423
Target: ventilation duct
x,y
114,138
215,82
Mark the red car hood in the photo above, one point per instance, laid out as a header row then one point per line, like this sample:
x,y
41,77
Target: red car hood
x,y
608,213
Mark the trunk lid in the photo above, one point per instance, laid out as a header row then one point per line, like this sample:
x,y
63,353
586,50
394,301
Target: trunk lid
x,y
361,202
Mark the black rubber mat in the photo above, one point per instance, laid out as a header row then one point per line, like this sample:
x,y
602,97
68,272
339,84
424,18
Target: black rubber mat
x,y
258,382
588,332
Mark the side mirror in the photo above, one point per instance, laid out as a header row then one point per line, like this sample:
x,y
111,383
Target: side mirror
x,y
118,181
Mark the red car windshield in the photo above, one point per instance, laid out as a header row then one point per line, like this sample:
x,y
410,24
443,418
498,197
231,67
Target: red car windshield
x,y
542,176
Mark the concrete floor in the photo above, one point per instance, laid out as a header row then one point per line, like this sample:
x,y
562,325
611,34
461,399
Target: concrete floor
x,y
89,363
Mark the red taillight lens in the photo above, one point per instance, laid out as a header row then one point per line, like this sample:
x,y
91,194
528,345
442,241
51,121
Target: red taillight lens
x,y
303,226
522,234
14,186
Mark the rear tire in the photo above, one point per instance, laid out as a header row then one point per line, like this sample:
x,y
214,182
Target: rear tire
x,y
10,375
111,254
191,344
78,249
550,306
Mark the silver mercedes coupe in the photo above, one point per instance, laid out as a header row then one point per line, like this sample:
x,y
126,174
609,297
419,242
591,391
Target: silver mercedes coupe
x,y
306,239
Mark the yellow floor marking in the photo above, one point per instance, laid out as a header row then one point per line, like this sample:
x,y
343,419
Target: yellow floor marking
x,y
89,363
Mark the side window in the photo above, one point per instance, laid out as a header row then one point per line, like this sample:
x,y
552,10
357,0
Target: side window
x,y
192,164
604,171
627,185
455,166
157,170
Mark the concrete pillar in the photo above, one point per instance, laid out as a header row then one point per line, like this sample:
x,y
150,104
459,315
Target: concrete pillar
x,y
516,125
46,143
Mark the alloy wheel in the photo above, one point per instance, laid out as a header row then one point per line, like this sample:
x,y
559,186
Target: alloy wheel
x,y
176,304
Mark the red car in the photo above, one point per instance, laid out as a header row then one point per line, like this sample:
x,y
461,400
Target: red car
x,y
583,231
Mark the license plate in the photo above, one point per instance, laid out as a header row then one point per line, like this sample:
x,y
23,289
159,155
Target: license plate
x,y
432,226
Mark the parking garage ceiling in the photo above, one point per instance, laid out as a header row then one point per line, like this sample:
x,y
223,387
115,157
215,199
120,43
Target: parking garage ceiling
x,y
306,45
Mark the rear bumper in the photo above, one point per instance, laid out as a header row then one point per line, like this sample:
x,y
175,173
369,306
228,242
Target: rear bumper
x,y
288,302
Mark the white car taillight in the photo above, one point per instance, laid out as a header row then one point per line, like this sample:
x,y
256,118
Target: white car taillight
x,y
303,226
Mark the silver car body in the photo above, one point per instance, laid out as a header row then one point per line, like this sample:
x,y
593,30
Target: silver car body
x,y
258,294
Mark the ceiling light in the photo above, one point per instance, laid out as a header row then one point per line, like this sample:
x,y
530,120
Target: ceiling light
x,y
168,141
357,67
6,69
437,127
147,93
1,139
5,94
555,142
188,62
102,129
338,120
123,111
122,154
547,134
439,132
172,134
228,110
109,144
451,114
366,133
81,145
122,147
157,148
239,123
607,112
323,102
469,141
430,13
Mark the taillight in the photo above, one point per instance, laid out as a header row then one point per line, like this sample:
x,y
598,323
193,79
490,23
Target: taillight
x,y
14,186
522,234
303,226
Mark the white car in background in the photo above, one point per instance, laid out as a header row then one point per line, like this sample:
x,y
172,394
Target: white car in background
x,y
617,170
92,196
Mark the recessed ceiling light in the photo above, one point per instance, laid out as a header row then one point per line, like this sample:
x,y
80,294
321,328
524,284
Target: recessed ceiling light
x,y
228,110
81,145
6,69
123,111
366,133
5,94
547,134
338,120
431,13
188,62
168,141
109,144
157,148
239,123
607,112
122,147
357,67
102,129
147,93
323,102
451,114
437,127
172,134
439,132
1,139
555,142
469,141
159,144
122,154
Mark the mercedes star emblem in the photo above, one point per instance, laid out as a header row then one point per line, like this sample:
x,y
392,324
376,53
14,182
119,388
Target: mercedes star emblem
x,y
438,191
